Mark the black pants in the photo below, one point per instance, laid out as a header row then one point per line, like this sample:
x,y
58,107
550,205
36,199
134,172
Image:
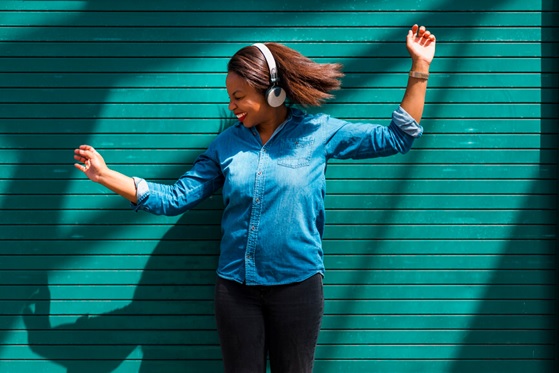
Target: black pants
x,y
282,321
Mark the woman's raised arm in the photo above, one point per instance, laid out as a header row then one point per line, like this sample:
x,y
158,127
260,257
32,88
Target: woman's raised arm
x,y
421,47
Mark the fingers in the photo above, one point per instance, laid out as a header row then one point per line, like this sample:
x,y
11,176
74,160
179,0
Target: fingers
x,y
84,152
84,155
86,148
80,167
421,34
84,162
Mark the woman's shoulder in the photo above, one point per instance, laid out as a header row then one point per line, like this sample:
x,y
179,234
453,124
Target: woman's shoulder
x,y
303,117
324,120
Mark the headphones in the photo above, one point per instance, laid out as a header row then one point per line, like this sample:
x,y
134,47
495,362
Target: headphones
x,y
275,95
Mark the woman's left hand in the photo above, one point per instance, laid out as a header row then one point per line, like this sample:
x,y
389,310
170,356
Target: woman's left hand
x,y
421,45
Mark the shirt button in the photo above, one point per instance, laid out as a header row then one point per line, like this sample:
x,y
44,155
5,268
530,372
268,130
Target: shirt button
x,y
257,200
253,228
259,172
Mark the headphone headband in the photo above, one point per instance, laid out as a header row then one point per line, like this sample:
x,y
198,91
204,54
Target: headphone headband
x,y
275,95
270,60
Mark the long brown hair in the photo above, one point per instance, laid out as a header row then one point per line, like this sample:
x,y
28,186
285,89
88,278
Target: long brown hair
x,y
305,82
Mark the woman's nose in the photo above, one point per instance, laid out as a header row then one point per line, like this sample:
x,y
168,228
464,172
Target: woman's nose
x,y
232,106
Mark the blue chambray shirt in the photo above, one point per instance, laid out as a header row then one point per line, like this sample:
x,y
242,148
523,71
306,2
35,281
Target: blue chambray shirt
x,y
274,214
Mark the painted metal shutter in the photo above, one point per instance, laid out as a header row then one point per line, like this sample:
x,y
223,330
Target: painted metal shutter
x,y
441,260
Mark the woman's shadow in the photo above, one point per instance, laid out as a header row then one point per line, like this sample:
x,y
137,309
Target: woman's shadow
x,y
169,317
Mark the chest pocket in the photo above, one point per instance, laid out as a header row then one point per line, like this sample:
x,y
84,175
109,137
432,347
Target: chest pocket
x,y
296,152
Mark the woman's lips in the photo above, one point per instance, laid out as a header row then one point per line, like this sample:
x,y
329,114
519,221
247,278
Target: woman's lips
x,y
241,116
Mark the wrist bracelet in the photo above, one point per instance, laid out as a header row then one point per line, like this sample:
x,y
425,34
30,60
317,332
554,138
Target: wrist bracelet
x,y
418,75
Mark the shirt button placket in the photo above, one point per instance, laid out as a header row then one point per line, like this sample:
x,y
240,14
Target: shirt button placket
x,y
255,219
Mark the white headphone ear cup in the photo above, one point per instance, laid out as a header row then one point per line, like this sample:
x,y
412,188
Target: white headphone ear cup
x,y
275,96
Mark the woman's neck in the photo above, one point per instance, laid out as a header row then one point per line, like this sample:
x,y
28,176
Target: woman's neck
x,y
277,117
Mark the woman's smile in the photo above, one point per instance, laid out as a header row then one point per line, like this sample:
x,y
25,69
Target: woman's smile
x,y
241,116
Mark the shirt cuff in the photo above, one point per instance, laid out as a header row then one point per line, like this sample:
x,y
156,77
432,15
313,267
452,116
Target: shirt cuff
x,y
406,123
142,192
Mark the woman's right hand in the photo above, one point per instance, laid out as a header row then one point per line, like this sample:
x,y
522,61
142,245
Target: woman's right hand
x,y
91,163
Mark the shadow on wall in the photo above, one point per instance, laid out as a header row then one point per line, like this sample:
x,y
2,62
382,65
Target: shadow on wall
x,y
157,339
29,144
34,276
25,147
25,288
475,352
163,319
517,331
21,146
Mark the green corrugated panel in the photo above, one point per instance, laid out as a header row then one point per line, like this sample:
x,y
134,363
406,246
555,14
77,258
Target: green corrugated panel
x,y
445,17
251,5
128,79
442,260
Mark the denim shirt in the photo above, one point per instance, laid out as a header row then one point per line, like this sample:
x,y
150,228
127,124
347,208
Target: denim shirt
x,y
274,215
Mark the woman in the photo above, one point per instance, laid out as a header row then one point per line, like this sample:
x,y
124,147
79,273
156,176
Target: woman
x,y
270,166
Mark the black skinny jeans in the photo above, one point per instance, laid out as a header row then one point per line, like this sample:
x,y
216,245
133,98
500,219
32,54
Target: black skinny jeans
x,y
279,321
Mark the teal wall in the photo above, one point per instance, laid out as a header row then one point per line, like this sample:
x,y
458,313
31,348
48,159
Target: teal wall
x,y
442,260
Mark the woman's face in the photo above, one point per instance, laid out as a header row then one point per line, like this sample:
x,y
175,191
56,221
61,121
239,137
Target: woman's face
x,y
248,105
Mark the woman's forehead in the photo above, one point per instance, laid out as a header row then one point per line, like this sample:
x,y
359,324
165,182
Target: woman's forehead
x,y
234,82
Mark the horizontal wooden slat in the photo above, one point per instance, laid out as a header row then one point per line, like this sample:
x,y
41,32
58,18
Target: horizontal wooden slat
x,y
203,95
357,307
523,188
420,276
434,352
492,187
441,231
125,79
131,364
440,322
364,64
510,246
247,34
312,50
482,323
249,5
175,126
333,276
191,262
200,142
187,156
335,171
323,352
275,18
440,307
348,292
123,232
367,201
324,365
339,171
73,335
66,248
203,217
162,111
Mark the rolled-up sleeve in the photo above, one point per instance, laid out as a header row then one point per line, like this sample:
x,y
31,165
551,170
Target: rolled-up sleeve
x,y
406,123
345,140
142,191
